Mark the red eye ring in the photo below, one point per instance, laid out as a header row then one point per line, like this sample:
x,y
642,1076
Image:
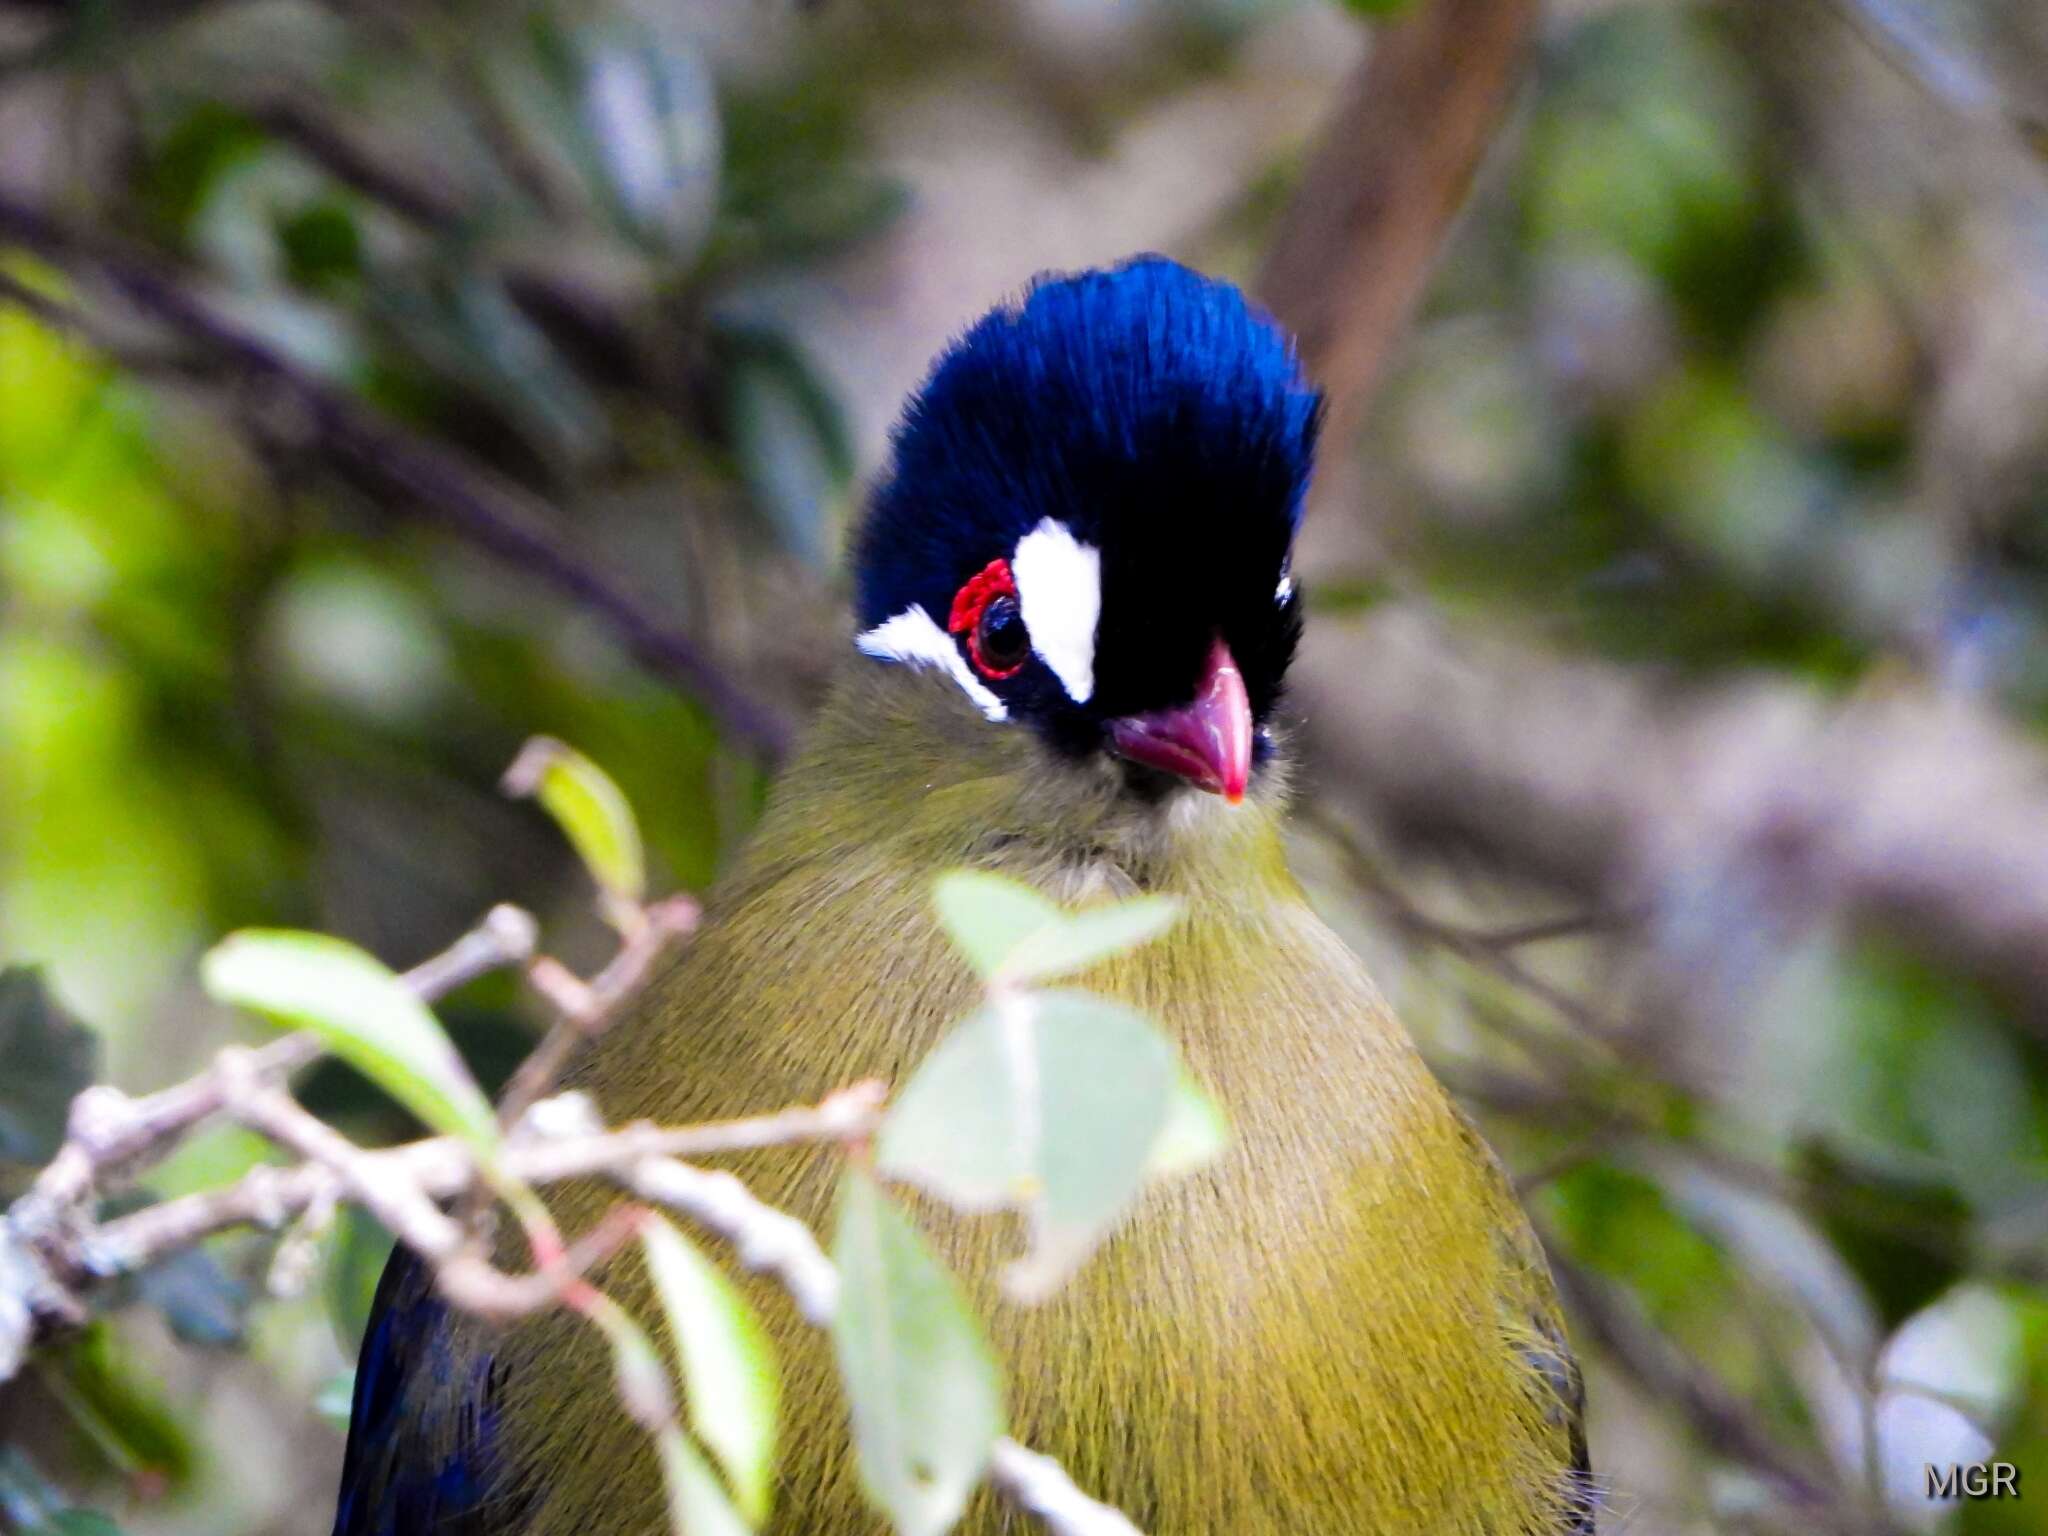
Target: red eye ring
x,y
971,602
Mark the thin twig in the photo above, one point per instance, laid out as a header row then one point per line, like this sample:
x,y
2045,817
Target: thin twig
x,y
584,1012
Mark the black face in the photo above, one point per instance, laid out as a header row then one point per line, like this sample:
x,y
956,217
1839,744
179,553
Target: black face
x,y
1090,491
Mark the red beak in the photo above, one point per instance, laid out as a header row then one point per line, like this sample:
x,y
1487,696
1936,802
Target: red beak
x,y
1207,742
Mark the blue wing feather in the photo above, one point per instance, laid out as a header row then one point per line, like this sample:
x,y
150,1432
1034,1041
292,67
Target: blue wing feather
x,y
422,1429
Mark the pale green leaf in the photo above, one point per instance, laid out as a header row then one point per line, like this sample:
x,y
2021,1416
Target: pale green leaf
x,y
361,1012
989,916
1049,1103
1195,1133
728,1364
591,810
1078,939
697,1505
919,1378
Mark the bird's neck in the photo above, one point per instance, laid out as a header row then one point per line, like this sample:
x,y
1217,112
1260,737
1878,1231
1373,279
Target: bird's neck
x,y
900,764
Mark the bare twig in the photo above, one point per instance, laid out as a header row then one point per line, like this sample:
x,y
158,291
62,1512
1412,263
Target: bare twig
x,y
1040,1486
585,1009
108,1130
443,1167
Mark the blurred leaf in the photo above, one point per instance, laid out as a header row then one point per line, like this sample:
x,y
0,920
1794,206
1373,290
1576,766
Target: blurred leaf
x,y
697,1504
124,1417
1012,934
1378,8
2023,1439
589,809
988,916
1082,938
46,1059
202,1302
1049,1103
652,118
321,244
31,1505
363,1013
728,1363
637,1368
794,447
919,1378
1195,1134
1907,1238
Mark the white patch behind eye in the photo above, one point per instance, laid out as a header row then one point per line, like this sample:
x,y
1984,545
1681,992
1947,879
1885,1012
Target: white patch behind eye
x,y
913,636
1059,589
1285,590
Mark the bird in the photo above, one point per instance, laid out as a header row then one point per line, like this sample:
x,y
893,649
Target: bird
x,y
1074,613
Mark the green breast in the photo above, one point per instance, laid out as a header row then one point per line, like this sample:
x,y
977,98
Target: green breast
x,y
1323,1332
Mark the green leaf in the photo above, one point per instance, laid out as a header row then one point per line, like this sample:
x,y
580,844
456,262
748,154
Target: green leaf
x,y
1195,1133
124,1415
919,1378
789,435
363,1013
728,1363
591,810
1904,1234
46,1059
1079,939
1013,935
1048,1103
1379,9
988,916
697,1505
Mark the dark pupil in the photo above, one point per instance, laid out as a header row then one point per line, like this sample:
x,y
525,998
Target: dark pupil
x,y
1004,640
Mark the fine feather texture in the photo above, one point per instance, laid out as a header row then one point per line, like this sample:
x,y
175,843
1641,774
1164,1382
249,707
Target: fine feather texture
x,y
1161,421
1342,1326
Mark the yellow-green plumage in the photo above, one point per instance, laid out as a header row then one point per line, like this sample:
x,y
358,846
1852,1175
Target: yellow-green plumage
x,y
1342,1326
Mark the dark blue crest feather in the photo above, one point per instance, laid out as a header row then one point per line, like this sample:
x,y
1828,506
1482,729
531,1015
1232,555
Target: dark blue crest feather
x,y
1152,410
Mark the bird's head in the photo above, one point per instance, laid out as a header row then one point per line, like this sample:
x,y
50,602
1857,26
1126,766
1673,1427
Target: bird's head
x,y
1087,520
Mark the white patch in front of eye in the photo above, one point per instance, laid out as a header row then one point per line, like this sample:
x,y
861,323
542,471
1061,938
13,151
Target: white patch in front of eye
x,y
1059,589
1285,590
913,636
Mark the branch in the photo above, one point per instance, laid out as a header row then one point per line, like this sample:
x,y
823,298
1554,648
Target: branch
x,y
1360,238
1721,1419
441,1168
1917,813
108,1131
437,483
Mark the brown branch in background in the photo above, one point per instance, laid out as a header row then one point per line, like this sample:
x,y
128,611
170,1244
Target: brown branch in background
x,y
1723,1421
1919,814
402,469
1360,238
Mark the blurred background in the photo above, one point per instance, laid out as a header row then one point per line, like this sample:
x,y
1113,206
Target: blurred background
x,y
384,383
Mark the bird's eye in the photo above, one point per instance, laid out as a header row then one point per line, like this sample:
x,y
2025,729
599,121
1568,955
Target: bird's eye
x,y
1001,642
986,611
